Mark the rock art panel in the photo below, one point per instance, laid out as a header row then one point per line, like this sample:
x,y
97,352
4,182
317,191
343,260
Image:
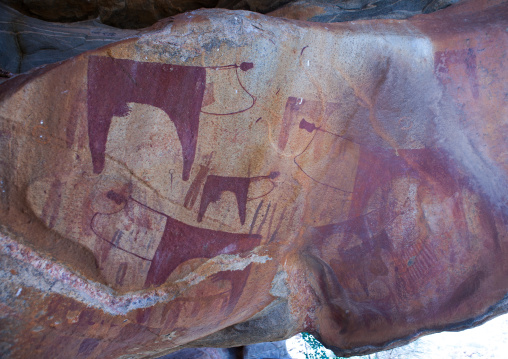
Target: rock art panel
x,y
31,42
239,186
226,172
181,92
177,90
447,60
153,241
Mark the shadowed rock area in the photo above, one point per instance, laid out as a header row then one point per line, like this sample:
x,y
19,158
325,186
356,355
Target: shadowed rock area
x,y
226,178
339,11
28,42
134,14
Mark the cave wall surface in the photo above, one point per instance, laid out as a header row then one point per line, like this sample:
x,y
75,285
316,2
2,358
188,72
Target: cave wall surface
x,y
134,14
28,42
225,178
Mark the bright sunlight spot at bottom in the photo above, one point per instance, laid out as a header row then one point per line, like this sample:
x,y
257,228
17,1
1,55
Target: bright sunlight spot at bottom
x,y
489,340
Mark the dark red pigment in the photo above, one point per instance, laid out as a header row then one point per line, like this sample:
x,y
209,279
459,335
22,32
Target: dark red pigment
x,y
51,207
239,186
298,107
310,127
365,227
238,280
116,197
215,185
246,66
181,242
177,90
132,335
377,170
292,107
195,187
87,346
307,126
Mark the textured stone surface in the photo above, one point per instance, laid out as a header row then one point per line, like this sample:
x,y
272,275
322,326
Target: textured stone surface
x,y
57,10
28,42
350,10
231,178
269,350
134,14
204,353
266,350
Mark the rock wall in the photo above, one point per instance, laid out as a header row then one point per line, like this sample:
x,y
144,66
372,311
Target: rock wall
x,y
28,42
226,178
134,14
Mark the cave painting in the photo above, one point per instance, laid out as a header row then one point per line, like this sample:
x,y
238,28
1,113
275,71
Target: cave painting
x,y
312,161
140,246
398,235
380,238
312,158
239,186
297,108
362,213
152,244
177,90
161,241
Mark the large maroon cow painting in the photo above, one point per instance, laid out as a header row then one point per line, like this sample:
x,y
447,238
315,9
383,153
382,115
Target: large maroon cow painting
x,y
177,90
139,241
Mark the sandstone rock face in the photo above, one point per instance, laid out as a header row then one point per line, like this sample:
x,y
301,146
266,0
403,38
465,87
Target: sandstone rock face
x,y
230,178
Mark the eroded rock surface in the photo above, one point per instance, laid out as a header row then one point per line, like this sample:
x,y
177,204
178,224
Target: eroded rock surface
x,y
135,14
230,178
350,10
131,14
28,42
